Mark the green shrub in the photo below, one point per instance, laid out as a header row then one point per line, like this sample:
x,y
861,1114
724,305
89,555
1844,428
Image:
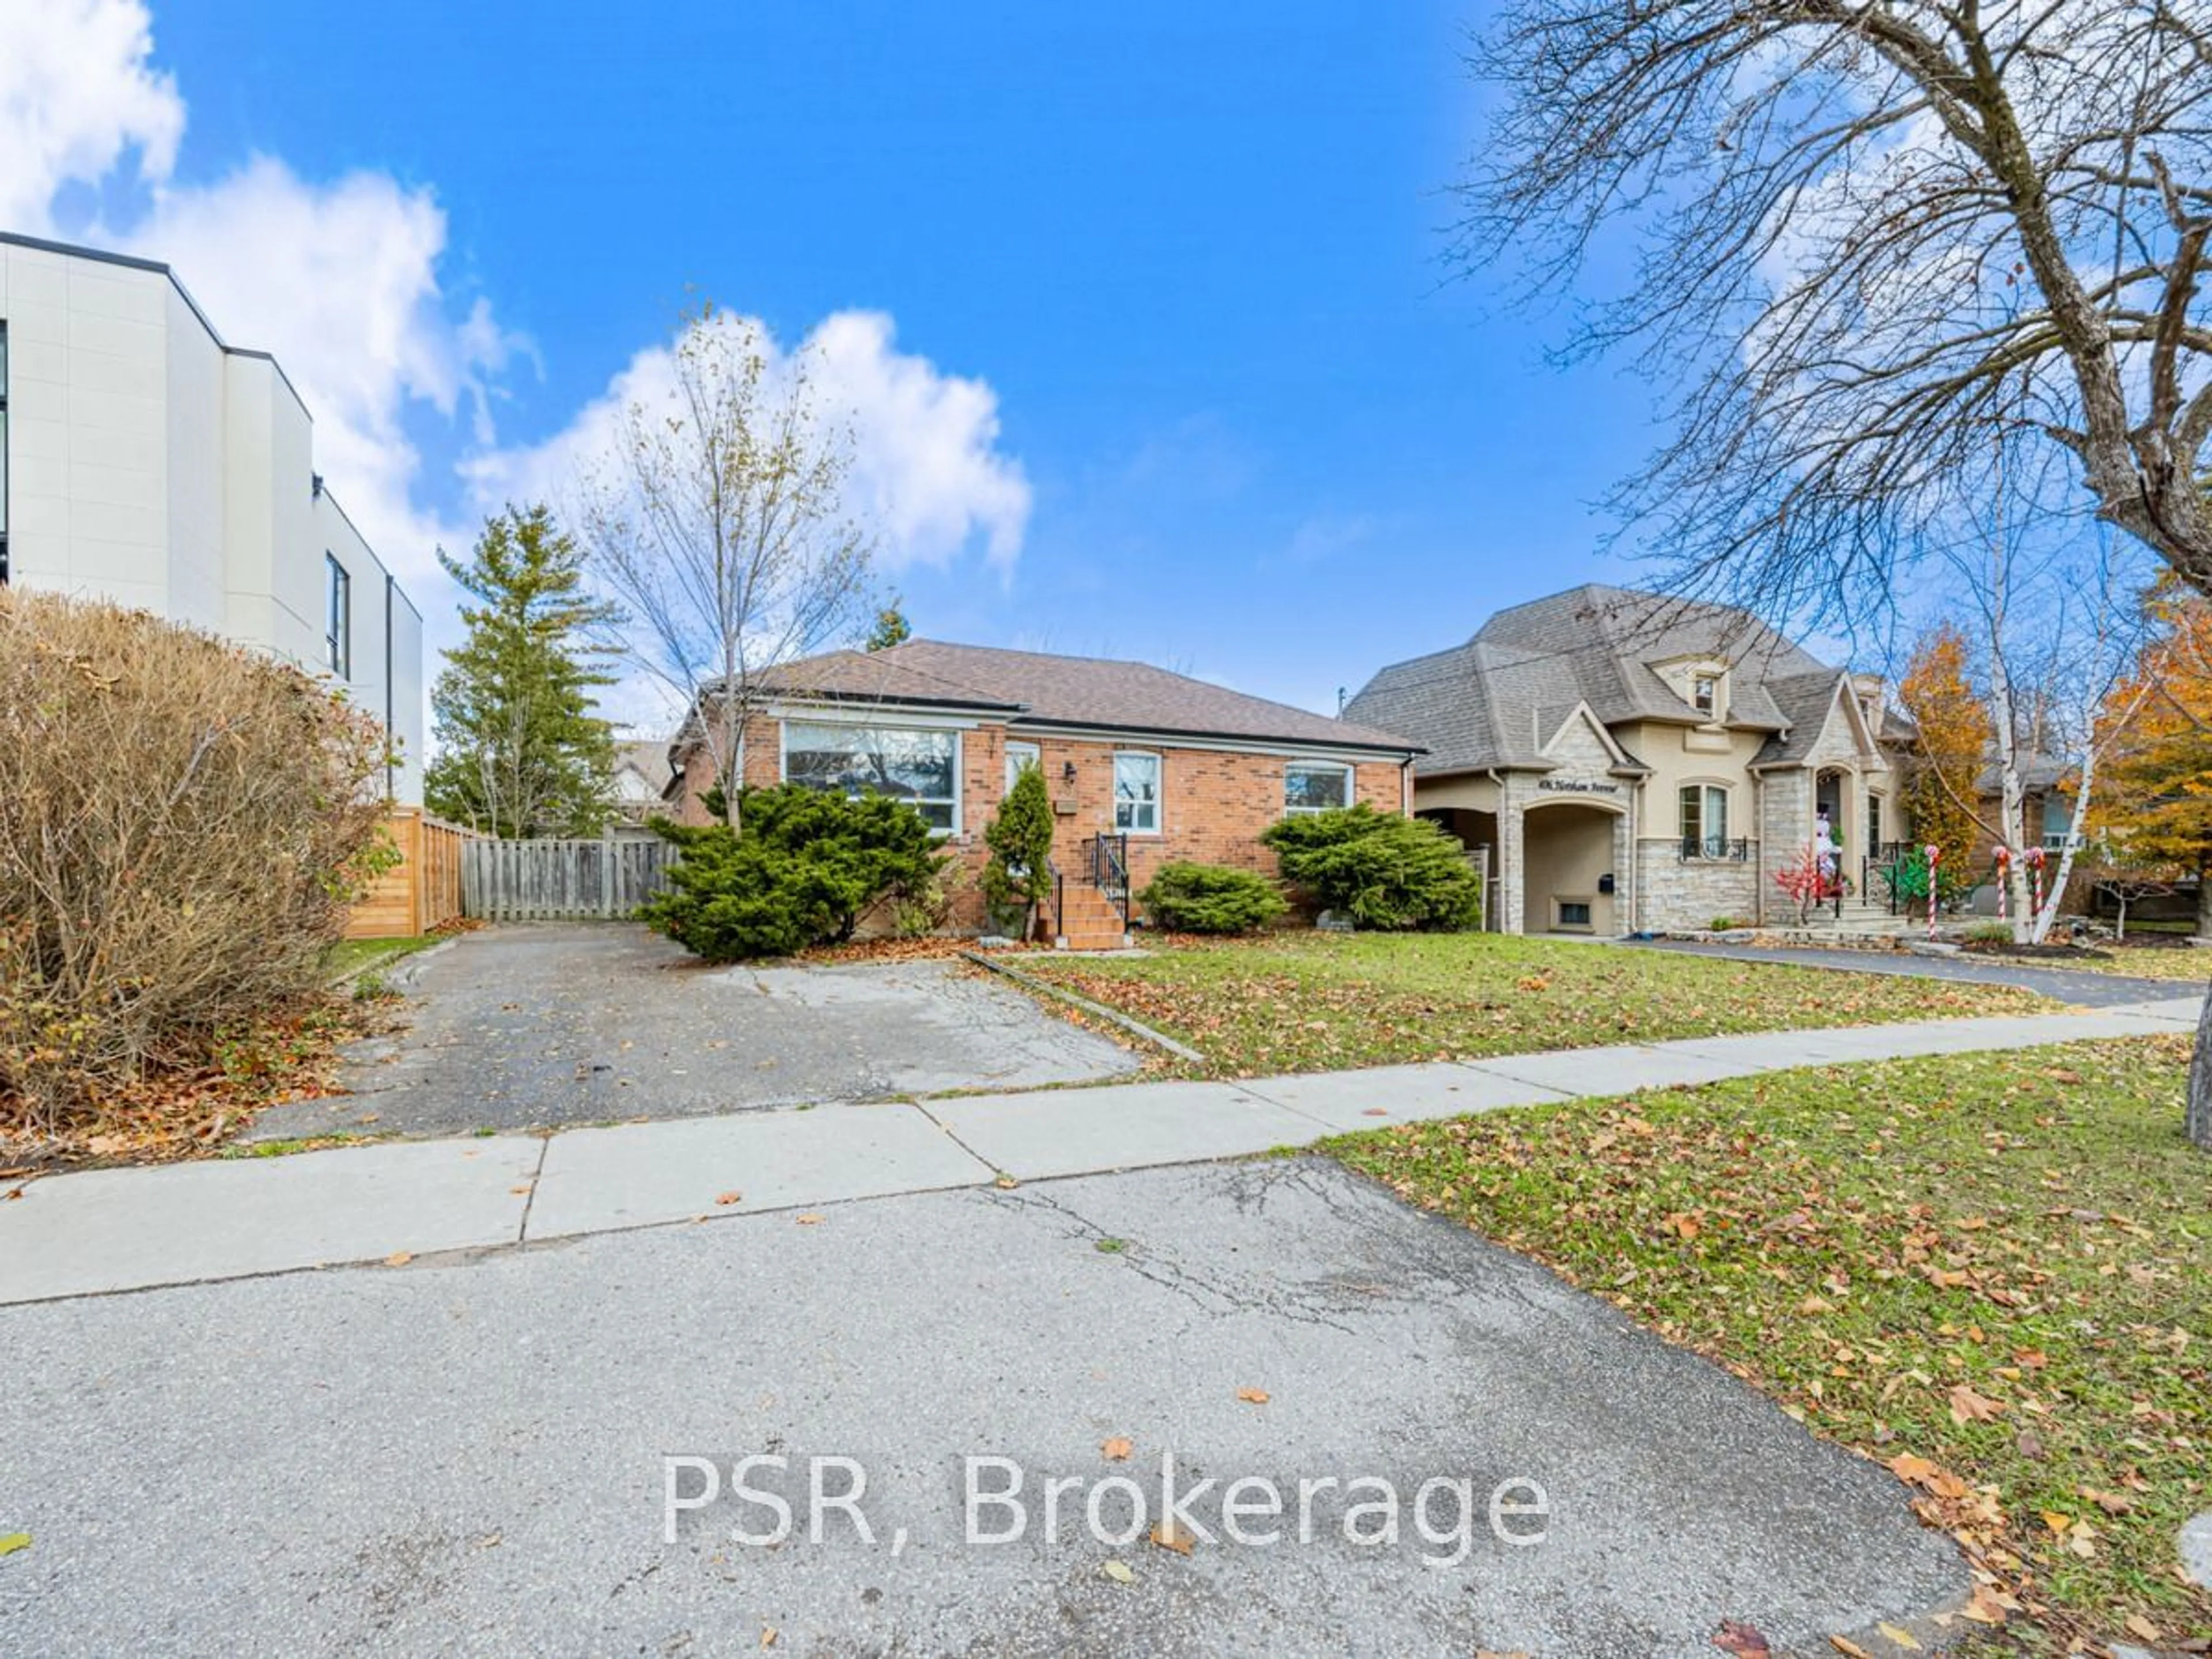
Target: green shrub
x,y
1989,932
1726,924
1018,877
1211,898
1381,870
800,872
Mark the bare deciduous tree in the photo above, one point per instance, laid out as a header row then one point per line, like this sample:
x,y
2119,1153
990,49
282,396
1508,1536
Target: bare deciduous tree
x,y
720,523
1859,225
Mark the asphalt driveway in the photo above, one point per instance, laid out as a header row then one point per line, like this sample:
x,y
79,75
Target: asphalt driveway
x,y
466,1454
531,1026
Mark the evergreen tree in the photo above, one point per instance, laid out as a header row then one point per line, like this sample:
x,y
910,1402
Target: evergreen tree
x,y
891,627
1019,873
520,751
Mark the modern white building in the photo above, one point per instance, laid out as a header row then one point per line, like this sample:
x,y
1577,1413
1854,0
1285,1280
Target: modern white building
x,y
144,461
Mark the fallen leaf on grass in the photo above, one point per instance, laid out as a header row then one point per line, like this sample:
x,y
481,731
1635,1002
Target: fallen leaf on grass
x,y
727,1199
1967,1406
1119,1572
2140,1627
1180,1542
1253,1396
1115,1451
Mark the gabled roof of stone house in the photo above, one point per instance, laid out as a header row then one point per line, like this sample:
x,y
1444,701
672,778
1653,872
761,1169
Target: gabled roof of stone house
x,y
1035,688
1493,701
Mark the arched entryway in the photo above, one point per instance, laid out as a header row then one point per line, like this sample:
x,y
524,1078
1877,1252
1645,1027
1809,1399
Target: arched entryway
x,y
1567,869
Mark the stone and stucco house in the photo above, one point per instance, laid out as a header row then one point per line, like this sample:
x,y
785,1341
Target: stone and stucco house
x,y
1143,766
1636,763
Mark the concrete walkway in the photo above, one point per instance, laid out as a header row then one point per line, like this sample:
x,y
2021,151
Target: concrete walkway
x,y
108,1230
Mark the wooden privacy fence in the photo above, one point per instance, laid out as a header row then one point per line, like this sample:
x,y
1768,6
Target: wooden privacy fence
x,y
557,880
423,890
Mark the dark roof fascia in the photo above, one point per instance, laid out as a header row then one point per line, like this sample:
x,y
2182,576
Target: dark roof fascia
x,y
133,262
880,700
1179,733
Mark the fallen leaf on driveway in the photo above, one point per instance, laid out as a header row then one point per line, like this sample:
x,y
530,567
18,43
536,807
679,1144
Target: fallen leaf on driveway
x,y
768,1632
1180,1542
398,1258
1849,1649
728,1197
1376,1111
10,1542
1006,1183
1119,1572
809,1219
1253,1396
1737,1637
524,1188
1115,1451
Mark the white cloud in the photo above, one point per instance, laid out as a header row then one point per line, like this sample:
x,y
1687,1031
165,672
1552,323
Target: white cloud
x,y
79,102
341,280
927,475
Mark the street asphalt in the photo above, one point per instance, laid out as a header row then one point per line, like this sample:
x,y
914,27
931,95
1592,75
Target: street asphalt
x,y
465,1455
533,1026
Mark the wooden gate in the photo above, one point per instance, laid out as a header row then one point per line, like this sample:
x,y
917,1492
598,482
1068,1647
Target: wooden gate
x,y
561,880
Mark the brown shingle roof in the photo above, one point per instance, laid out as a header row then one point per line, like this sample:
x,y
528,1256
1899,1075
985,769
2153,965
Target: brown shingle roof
x,y
1037,688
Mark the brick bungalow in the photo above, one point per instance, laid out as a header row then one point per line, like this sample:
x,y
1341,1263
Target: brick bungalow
x,y
1143,766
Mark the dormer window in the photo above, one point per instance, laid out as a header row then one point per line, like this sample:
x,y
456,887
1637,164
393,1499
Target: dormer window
x,y
1705,694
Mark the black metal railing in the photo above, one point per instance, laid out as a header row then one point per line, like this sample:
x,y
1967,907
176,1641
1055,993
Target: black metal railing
x,y
1714,849
1109,871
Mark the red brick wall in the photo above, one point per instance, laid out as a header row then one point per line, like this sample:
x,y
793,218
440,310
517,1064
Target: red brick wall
x,y
1213,803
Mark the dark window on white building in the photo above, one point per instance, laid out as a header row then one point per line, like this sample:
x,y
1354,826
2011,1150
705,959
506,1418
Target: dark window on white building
x,y
337,623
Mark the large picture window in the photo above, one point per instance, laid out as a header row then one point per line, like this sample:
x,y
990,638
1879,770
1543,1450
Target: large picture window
x,y
1315,786
913,764
1137,794
1704,821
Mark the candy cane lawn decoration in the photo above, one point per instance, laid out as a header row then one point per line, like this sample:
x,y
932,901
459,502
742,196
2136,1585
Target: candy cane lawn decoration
x,y
1934,854
2004,884
2033,858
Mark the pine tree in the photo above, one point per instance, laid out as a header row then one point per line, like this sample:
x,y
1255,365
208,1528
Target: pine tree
x,y
891,627
1019,873
520,751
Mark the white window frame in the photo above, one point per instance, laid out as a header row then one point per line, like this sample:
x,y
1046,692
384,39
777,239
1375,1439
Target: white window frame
x,y
1706,788
784,722
1159,791
1031,754
1351,785
1715,679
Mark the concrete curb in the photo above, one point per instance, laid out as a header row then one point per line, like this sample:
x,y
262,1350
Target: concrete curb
x,y
1112,1017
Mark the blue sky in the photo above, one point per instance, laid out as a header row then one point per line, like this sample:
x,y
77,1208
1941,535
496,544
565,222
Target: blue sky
x,y
1195,253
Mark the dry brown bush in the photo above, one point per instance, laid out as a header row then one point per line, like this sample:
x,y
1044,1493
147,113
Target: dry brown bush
x,y
182,823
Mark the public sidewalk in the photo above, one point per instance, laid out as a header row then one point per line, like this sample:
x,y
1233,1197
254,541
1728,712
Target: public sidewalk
x,y
108,1231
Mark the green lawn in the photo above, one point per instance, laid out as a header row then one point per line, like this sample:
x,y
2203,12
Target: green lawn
x,y
354,955
1314,1001
1993,1273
